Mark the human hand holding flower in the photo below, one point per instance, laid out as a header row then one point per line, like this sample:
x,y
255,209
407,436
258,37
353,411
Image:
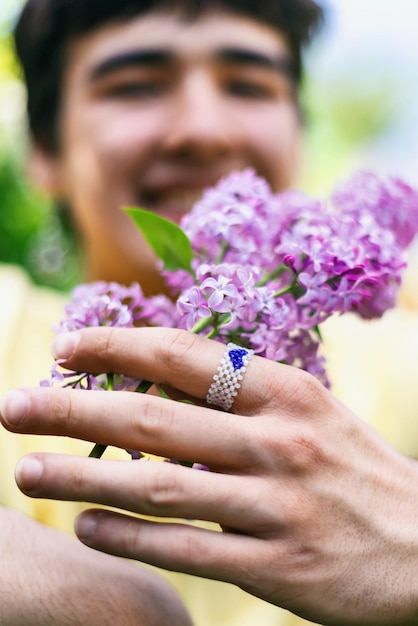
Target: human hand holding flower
x,y
261,270
318,512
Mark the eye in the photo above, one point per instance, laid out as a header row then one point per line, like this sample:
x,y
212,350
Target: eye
x,y
249,89
136,89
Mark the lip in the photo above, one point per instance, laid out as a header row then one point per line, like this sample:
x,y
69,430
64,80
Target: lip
x,y
172,204
173,194
173,201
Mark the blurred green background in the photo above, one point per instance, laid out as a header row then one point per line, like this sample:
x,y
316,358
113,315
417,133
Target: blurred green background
x,y
359,97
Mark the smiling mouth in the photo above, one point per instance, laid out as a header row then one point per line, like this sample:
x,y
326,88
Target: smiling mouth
x,y
173,203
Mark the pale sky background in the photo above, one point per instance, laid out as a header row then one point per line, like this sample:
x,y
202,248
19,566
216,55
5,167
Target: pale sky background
x,y
377,40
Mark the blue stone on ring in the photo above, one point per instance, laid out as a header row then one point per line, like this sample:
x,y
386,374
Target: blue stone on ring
x,y
237,356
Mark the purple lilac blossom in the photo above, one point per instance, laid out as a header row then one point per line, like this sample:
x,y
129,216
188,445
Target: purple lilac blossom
x,y
270,268
392,203
108,304
289,261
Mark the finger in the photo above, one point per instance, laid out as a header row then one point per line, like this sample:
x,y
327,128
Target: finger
x,y
167,356
136,422
176,547
146,487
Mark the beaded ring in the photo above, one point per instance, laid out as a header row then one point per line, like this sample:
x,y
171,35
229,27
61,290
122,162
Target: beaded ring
x,y
227,381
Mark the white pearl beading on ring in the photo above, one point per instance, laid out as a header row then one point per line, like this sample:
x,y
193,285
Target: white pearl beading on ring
x,y
227,381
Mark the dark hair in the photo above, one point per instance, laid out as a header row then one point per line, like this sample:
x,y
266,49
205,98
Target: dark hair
x,y
46,27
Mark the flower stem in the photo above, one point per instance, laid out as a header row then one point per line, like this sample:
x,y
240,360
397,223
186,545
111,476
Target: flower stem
x,y
274,274
224,249
144,386
97,451
219,319
202,324
99,448
284,291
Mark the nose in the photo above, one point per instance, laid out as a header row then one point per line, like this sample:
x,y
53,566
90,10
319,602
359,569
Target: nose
x,y
200,125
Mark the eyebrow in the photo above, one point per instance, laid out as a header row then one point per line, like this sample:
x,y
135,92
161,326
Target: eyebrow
x,y
134,58
282,64
242,56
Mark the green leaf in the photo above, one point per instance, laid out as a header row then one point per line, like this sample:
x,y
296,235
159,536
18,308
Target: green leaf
x,y
167,239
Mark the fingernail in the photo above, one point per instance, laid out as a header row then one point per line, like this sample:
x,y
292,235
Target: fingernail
x,y
28,472
64,345
14,407
85,527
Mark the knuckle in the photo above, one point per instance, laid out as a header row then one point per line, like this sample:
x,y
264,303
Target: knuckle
x,y
153,420
61,412
292,390
77,481
174,351
165,489
292,449
130,542
244,570
190,547
255,447
304,392
303,453
107,349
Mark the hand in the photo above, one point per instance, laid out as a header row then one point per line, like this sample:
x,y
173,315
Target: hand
x,y
319,513
49,578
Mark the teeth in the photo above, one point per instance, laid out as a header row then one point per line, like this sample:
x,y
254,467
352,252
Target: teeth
x,y
182,199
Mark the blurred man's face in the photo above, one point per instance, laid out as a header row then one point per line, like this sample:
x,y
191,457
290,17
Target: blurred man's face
x,y
156,109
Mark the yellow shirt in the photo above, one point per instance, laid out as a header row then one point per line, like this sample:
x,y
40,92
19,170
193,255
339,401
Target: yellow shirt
x,y
373,367
26,317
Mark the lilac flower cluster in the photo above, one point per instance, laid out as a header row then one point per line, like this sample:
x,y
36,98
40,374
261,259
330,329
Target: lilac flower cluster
x,y
267,269
108,304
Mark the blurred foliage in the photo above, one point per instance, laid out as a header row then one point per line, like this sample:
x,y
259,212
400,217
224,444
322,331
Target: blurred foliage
x,y
22,213
345,116
33,233
9,67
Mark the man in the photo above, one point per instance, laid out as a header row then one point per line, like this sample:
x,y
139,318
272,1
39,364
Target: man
x,y
148,104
